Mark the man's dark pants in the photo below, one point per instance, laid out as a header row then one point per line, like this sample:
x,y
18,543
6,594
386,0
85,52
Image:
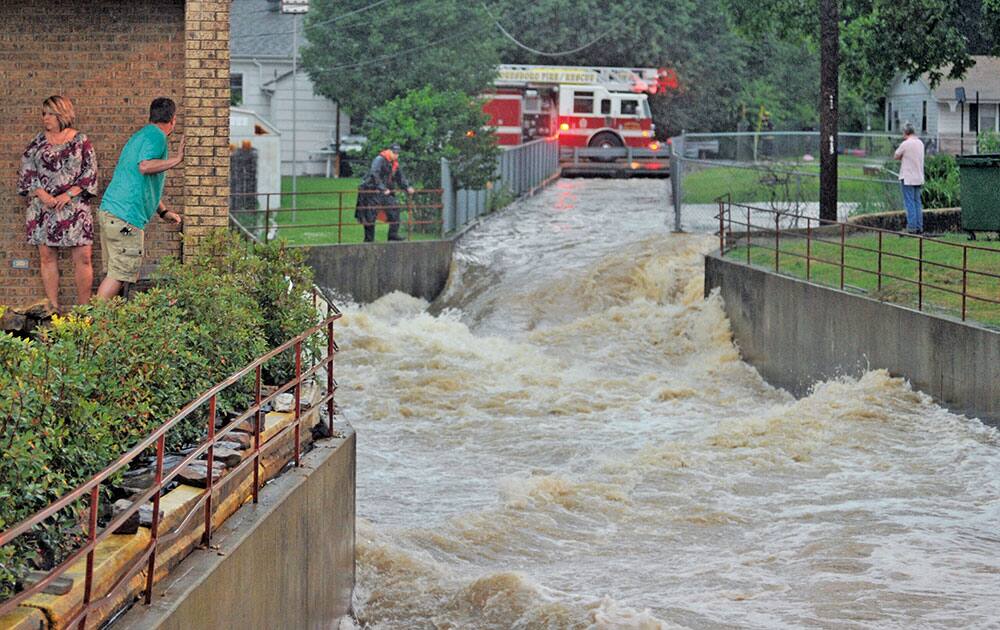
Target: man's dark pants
x,y
367,213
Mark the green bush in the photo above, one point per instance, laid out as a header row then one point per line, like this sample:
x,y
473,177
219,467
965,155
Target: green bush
x,y
989,142
941,187
93,384
430,125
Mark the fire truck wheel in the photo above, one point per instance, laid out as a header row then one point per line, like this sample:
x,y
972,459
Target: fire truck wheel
x,y
605,140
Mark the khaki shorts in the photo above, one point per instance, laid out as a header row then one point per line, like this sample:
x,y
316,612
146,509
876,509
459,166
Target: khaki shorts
x,y
121,247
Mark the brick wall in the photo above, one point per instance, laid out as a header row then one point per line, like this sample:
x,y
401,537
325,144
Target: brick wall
x,y
111,58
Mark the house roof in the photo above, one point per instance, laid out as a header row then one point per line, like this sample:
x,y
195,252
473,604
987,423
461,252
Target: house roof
x,y
259,29
984,77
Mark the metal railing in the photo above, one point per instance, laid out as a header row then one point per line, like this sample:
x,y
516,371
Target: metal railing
x,y
763,229
92,488
779,169
270,216
520,170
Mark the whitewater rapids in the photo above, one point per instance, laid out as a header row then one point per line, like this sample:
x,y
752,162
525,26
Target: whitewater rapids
x,y
568,438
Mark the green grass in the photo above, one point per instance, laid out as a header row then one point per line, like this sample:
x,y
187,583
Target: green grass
x,y
320,205
862,262
750,185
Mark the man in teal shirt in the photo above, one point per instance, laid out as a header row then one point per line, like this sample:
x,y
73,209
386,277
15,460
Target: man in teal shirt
x,y
135,192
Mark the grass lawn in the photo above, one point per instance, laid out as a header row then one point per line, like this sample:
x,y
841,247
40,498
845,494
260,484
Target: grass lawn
x,y
748,185
320,205
861,253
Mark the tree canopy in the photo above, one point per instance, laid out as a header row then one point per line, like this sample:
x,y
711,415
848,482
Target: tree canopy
x,y
364,54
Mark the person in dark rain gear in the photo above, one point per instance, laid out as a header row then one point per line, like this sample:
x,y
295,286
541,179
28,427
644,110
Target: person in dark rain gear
x,y
378,193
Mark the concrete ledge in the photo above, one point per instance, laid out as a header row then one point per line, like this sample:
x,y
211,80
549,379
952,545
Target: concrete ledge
x,y
796,334
367,271
287,562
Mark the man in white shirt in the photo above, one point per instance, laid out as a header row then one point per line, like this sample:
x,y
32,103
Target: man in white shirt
x,y
911,177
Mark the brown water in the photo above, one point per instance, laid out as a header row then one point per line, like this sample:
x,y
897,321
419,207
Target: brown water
x,y
569,439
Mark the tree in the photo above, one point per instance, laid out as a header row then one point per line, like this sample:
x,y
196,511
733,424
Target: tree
x,y
364,54
880,38
695,39
430,125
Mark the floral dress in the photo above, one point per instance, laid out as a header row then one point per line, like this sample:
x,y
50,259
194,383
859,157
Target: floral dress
x,y
57,168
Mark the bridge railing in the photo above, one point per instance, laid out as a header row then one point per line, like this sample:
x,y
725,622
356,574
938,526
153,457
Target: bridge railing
x,y
928,273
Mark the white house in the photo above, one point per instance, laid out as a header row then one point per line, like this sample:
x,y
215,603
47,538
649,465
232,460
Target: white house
x,y
260,47
937,114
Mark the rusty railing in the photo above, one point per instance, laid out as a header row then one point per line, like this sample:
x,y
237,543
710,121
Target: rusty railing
x,y
157,439
268,216
753,228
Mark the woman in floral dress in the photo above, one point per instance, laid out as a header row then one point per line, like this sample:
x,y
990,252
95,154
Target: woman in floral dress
x,y
59,177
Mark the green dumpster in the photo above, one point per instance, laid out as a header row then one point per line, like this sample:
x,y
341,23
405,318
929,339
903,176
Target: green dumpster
x,y
979,176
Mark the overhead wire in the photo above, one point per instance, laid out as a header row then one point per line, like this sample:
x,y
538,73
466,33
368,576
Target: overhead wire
x,y
327,22
561,53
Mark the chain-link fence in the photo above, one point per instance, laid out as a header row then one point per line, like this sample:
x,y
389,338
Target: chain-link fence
x,y
779,170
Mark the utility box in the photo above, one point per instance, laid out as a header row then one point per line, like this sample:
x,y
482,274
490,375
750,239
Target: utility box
x,y
979,176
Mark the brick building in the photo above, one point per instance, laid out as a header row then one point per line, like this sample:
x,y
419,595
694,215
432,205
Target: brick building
x,y
111,58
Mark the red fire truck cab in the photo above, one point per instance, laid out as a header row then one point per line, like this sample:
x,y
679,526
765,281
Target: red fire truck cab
x,y
584,106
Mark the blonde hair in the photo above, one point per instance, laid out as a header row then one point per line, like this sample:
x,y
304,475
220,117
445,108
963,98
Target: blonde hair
x,y
62,107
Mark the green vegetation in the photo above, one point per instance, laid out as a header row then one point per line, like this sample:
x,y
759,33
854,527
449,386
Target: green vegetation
x,y
861,254
430,125
90,385
322,203
778,185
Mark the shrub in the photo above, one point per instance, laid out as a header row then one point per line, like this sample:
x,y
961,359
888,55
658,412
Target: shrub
x,y
941,186
989,142
94,383
277,278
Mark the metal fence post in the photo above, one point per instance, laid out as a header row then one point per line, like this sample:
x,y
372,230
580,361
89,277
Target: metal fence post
x,y
676,172
447,197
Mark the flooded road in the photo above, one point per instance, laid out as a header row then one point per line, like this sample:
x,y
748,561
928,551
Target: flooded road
x,y
568,439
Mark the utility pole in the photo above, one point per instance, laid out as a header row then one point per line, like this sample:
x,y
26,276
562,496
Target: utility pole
x,y
829,47
297,8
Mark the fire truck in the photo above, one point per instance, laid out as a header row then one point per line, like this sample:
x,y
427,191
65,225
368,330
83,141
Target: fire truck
x,y
586,106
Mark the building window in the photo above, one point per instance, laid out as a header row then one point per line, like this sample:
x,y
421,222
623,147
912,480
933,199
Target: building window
x,y
583,103
235,89
923,119
973,117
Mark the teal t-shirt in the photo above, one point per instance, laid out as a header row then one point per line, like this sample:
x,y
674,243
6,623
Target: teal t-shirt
x,y
132,196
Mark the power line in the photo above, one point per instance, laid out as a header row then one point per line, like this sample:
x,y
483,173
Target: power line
x,y
349,66
315,24
561,53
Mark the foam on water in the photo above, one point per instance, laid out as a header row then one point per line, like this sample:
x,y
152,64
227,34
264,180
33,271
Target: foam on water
x,y
568,439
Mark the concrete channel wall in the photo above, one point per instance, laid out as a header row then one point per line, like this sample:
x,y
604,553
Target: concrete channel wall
x,y
367,271
287,562
797,333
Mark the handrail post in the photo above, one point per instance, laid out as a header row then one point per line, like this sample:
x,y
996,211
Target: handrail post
x,y
154,528
206,538
722,237
329,373
267,217
880,260
256,433
340,216
809,232
965,278
777,242
298,400
748,235
843,244
88,583
920,273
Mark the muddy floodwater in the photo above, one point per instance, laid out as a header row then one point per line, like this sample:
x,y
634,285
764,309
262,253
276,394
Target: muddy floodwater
x,y
568,438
